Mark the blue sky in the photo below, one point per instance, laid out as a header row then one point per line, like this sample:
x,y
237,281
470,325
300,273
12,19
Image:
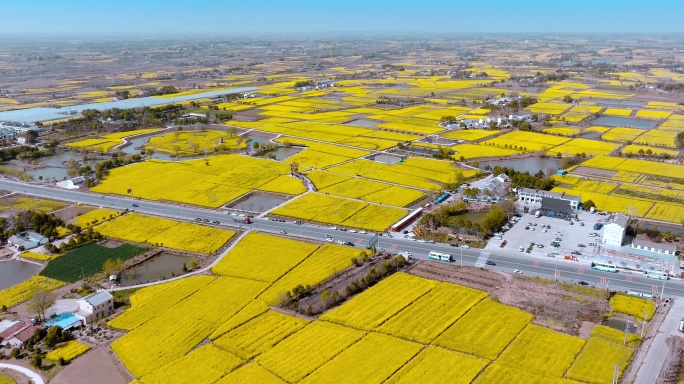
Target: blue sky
x,y
295,16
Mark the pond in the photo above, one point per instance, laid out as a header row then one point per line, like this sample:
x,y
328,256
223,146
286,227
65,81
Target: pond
x,y
259,203
160,267
257,139
384,158
52,166
615,121
363,123
620,324
529,164
282,153
15,271
590,135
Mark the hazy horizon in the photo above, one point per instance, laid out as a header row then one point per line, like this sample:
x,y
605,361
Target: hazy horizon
x,y
212,17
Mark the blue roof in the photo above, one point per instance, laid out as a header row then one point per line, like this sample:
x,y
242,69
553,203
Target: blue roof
x,y
65,321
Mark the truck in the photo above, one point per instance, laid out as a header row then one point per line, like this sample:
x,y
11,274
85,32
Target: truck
x,y
537,214
245,220
592,210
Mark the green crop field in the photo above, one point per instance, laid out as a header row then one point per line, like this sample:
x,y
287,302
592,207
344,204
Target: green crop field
x,y
87,260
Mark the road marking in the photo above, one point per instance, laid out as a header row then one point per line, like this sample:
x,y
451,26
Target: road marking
x,y
628,278
359,241
655,289
535,264
482,260
558,272
603,280
580,271
394,247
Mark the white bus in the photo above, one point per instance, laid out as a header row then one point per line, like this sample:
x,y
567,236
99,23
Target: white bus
x,y
604,267
440,257
657,275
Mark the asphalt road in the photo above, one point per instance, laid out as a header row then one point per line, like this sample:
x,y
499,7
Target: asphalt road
x,y
548,267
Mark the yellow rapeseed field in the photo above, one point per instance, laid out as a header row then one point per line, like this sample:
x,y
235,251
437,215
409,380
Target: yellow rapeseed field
x,y
325,262
370,361
500,373
206,364
251,373
30,204
437,365
542,350
485,330
23,291
179,329
431,314
67,351
259,334
97,215
35,256
166,233
263,257
375,306
473,151
596,362
150,302
315,345
633,306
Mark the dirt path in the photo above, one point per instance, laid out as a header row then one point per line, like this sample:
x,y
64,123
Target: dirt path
x,y
25,371
96,366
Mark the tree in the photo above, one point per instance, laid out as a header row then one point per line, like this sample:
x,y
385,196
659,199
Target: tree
x,y
54,336
567,99
37,361
40,302
112,266
588,204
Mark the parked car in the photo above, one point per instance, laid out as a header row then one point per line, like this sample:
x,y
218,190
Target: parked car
x,y
521,249
135,205
540,245
517,271
349,243
489,262
334,228
582,225
329,239
352,231
283,232
582,282
581,245
363,232
466,246
454,245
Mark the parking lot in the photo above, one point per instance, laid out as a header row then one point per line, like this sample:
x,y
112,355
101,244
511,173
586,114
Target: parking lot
x,y
574,239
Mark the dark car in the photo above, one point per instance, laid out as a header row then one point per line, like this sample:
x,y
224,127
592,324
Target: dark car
x,y
581,245
489,262
582,282
135,205
349,243
454,245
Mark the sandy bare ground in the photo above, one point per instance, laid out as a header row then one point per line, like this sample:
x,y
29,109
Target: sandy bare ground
x,y
97,366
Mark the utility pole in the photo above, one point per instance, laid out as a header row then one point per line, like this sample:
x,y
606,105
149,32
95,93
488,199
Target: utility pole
x,y
616,369
643,324
662,291
626,331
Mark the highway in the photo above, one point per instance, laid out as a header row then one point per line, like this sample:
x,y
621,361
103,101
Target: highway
x,y
530,266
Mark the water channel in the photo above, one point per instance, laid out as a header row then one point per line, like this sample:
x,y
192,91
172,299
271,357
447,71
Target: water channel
x,y
259,203
615,121
529,164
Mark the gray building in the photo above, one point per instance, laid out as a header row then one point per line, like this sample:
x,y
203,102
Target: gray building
x,y
27,239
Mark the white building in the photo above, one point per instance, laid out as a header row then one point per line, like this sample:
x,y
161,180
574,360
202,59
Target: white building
x,y
94,306
535,196
74,183
615,228
662,248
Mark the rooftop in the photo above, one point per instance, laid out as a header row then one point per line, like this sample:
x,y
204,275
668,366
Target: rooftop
x,y
619,219
98,298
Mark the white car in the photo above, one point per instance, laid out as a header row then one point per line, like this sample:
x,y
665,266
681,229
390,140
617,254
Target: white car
x,y
352,231
329,239
422,241
545,230
466,246
340,242
333,228
517,271
363,232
